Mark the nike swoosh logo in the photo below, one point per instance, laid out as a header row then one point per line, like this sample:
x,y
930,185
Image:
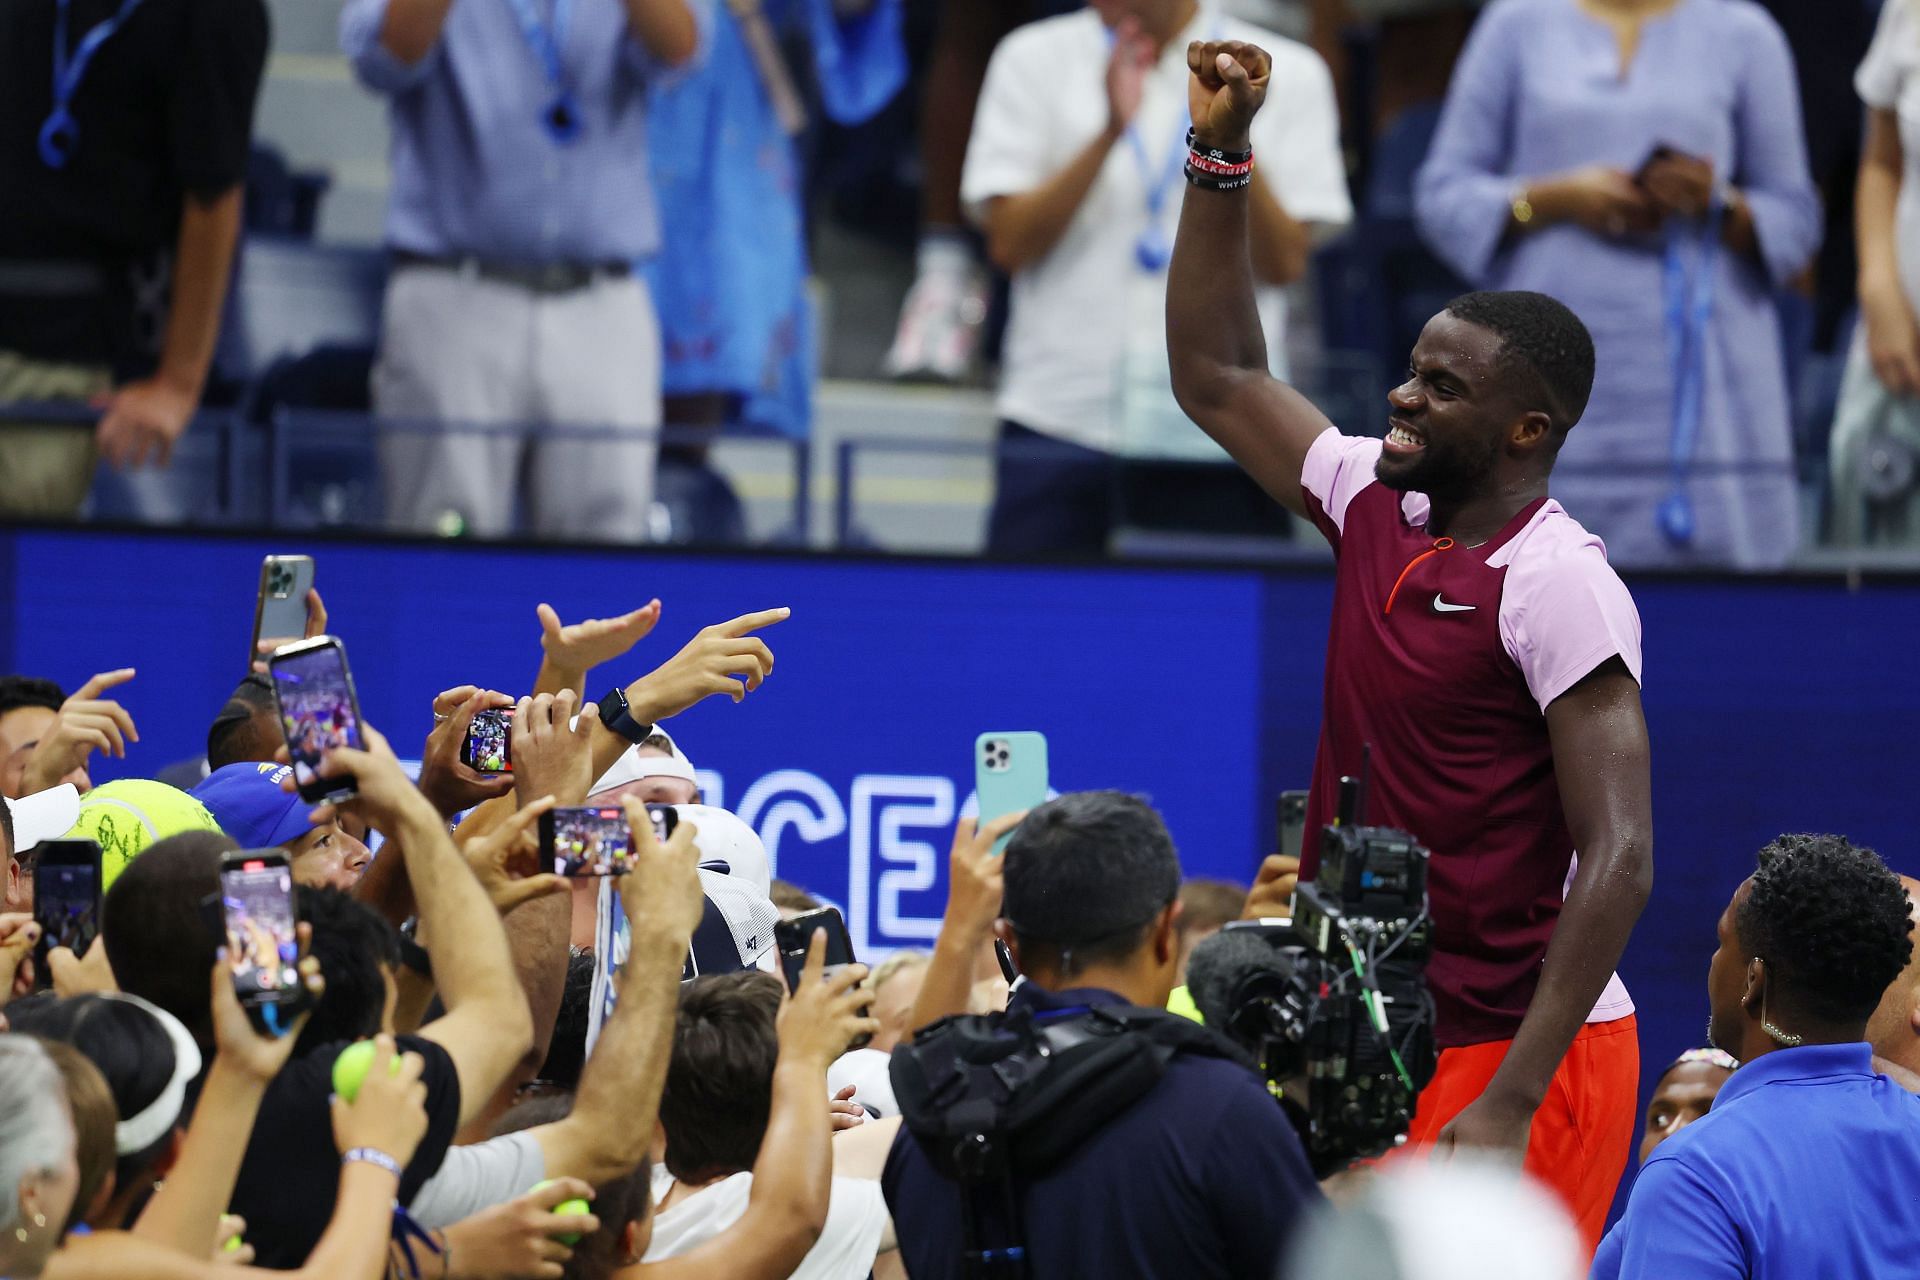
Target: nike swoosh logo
x,y
1440,605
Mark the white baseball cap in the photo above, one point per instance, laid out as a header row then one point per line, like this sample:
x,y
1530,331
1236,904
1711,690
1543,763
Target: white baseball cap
x,y
44,815
735,912
632,766
722,838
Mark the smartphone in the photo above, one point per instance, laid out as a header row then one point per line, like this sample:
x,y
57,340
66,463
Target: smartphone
x,y
318,712
791,939
66,899
1292,833
280,610
1010,776
593,840
487,748
257,918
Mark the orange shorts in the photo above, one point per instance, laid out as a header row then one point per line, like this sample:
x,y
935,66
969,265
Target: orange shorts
x,y
1584,1130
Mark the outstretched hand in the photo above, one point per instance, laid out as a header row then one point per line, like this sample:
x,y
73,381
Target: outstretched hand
x,y
1228,84
580,647
726,658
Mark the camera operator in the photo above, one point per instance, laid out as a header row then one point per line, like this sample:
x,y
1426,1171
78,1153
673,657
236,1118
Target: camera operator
x,y
1198,1176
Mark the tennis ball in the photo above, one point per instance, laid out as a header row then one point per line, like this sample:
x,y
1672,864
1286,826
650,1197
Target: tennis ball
x,y
566,1209
233,1244
351,1067
125,816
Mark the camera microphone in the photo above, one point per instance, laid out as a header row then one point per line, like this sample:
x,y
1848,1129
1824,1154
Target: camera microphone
x,y
1243,985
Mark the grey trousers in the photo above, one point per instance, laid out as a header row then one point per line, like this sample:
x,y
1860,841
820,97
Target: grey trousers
x,y
458,351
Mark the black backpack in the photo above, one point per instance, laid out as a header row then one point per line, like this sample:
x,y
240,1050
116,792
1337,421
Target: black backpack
x,y
1008,1096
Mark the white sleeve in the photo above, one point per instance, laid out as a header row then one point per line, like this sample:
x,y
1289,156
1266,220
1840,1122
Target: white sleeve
x,y
1296,140
1004,155
479,1176
1880,75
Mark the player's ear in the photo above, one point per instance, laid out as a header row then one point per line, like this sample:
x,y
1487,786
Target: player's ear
x,y
1531,431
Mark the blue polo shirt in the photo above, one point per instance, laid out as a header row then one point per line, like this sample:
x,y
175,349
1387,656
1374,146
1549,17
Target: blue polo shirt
x,y
1201,1179
1807,1168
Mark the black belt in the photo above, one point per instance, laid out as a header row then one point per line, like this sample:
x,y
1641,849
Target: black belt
x,y
536,277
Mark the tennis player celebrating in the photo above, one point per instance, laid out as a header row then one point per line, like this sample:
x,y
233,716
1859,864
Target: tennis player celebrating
x,y
1483,647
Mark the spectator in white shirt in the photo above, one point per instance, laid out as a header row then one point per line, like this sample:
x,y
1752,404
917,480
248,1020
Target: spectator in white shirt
x,y
1074,172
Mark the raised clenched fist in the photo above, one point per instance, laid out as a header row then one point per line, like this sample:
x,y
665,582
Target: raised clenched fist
x,y
1228,84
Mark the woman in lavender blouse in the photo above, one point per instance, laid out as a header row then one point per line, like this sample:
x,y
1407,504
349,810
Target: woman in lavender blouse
x,y
1643,161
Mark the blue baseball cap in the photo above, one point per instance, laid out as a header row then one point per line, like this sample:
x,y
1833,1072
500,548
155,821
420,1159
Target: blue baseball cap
x,y
248,804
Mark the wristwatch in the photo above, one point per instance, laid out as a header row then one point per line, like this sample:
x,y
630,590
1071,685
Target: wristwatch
x,y
618,716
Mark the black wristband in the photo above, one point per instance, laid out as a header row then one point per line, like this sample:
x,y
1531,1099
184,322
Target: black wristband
x,y
1215,153
1216,182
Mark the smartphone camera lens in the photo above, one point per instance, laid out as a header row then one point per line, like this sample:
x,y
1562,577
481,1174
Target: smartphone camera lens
x,y
997,756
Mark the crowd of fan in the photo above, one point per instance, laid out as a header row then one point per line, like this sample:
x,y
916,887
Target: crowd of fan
x,y
720,1125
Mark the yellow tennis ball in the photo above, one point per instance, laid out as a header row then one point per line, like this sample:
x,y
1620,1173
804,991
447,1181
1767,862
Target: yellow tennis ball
x,y
566,1209
233,1244
351,1067
125,816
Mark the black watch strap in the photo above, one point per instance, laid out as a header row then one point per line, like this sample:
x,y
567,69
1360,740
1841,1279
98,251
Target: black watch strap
x,y
415,957
618,716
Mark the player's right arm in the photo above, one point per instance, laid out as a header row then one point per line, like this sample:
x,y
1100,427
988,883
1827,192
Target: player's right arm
x,y
1215,346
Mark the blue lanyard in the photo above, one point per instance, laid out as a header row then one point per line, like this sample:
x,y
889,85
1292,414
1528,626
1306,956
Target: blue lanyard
x,y
561,114
1151,249
61,132
1689,312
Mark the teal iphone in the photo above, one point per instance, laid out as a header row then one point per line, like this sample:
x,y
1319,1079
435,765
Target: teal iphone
x,y
1010,775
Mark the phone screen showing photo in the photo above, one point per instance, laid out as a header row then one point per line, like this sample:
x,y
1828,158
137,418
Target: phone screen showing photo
x,y
588,841
487,745
317,711
66,902
256,898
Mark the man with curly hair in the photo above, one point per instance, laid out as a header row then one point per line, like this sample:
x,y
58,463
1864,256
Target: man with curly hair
x,y
1806,1165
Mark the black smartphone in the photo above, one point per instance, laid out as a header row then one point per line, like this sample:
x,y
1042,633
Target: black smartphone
x,y
792,937
263,951
1292,833
318,712
593,840
488,748
66,899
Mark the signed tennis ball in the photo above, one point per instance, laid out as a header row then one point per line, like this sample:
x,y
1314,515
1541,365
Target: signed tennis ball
x,y
567,1209
125,816
351,1067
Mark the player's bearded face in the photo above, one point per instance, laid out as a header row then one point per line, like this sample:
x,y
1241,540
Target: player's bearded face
x,y
1444,429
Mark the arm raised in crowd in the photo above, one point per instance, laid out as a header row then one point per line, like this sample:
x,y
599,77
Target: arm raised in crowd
x,y
974,880
187,1205
570,652
726,658
1215,346
793,1174
607,1132
486,1028
388,1116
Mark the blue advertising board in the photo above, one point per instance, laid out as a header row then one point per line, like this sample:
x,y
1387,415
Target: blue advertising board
x,y
1774,704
